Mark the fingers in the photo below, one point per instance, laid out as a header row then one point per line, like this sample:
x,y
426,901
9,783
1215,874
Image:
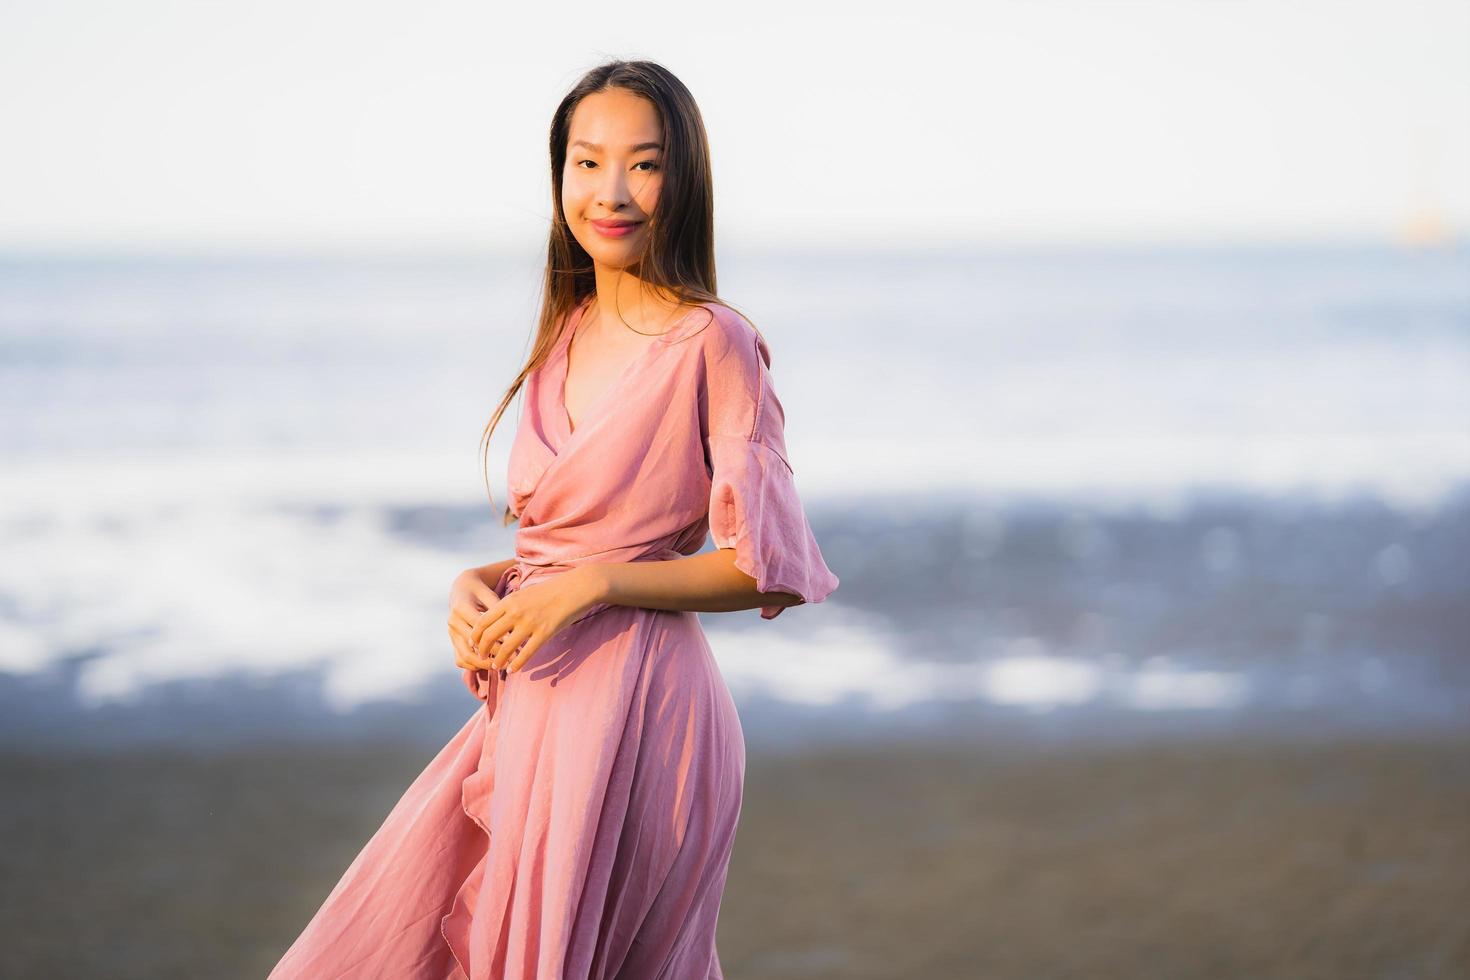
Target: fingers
x,y
491,628
464,654
478,628
497,638
467,611
459,635
484,622
459,626
501,655
503,645
462,616
526,653
491,638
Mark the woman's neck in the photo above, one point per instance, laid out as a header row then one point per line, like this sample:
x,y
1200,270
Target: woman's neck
x,y
624,301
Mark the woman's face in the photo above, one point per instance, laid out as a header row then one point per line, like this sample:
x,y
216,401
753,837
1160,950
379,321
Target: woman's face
x,y
613,173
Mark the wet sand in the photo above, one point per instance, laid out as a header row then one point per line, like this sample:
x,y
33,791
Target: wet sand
x,y
1227,858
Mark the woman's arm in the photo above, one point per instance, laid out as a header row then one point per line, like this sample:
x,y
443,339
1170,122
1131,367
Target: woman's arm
x,y
703,583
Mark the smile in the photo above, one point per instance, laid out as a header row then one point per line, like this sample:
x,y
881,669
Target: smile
x,y
616,229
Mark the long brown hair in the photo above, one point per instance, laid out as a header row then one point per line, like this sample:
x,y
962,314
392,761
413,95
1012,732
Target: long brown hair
x,y
679,258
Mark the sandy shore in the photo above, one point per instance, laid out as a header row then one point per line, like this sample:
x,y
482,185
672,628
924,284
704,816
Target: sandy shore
x,y
1219,859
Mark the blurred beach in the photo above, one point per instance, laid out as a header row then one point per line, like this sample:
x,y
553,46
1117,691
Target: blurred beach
x,y
1149,657
1244,856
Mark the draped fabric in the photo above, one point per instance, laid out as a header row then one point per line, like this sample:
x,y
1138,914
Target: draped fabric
x,y
580,823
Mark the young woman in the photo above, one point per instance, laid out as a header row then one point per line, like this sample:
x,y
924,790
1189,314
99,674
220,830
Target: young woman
x,y
580,825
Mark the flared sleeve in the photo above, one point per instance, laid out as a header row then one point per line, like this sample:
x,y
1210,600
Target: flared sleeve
x,y
753,506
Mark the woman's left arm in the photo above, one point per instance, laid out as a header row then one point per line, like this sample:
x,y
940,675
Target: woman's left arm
x,y
703,583
507,636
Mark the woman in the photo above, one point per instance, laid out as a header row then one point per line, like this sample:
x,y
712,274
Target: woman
x,y
581,824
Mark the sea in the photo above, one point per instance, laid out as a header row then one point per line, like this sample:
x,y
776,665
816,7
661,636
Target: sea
x,y
1070,492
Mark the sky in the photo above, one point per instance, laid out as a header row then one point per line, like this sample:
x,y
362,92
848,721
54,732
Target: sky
x,y
287,125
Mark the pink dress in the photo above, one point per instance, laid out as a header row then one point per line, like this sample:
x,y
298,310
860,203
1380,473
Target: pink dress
x,y
580,823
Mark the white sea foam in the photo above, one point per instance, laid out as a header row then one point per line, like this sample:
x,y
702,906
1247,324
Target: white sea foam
x,y
192,571
847,660
198,568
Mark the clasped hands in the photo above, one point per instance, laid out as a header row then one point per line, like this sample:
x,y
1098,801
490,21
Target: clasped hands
x,y
491,632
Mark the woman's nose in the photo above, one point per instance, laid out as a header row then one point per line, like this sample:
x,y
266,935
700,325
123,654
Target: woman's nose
x,y
614,192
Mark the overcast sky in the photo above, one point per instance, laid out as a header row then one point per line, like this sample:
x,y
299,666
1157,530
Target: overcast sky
x,y
304,123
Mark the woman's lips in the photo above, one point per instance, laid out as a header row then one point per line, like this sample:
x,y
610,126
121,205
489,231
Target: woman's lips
x,y
616,229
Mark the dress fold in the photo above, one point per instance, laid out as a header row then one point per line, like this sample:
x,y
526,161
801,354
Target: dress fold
x,y
754,509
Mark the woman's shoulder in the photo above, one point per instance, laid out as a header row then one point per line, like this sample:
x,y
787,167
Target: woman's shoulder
x,y
725,335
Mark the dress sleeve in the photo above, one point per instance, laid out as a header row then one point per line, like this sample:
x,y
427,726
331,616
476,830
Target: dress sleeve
x,y
753,506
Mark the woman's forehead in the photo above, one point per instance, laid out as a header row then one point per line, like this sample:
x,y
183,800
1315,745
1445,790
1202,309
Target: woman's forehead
x,y
614,121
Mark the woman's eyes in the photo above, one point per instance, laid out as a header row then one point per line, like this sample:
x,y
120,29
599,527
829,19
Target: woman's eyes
x,y
640,163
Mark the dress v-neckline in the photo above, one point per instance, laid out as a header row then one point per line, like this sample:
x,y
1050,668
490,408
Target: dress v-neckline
x,y
568,433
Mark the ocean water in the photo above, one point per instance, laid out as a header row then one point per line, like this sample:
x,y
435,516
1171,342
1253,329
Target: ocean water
x,y
1067,492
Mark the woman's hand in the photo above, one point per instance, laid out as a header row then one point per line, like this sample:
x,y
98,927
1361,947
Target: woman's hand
x,y
511,631
469,598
